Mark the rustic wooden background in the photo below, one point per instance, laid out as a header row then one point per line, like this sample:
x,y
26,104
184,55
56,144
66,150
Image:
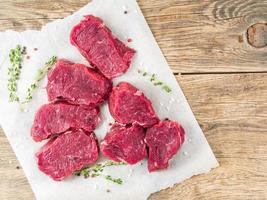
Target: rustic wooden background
x,y
221,65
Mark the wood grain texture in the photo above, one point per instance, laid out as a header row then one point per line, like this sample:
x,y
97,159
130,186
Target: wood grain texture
x,y
232,111
13,183
199,36
235,124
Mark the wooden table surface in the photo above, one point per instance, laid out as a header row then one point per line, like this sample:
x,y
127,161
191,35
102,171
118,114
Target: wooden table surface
x,y
217,50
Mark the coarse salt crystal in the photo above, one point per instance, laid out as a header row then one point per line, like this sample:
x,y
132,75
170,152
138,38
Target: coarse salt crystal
x,y
172,100
131,172
96,186
124,7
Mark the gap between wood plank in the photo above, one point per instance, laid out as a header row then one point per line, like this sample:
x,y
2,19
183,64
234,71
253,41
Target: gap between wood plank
x,y
214,73
175,73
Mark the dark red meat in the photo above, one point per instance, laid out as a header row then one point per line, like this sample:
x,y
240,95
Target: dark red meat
x,y
129,105
77,84
97,44
70,152
163,140
125,144
54,118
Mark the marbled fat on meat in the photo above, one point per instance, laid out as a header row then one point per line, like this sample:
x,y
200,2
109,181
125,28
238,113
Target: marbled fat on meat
x,y
69,152
129,105
77,84
124,144
163,140
55,118
97,44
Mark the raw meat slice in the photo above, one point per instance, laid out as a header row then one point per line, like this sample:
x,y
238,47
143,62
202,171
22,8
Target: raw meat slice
x,y
163,140
77,84
69,152
129,105
97,44
124,143
55,118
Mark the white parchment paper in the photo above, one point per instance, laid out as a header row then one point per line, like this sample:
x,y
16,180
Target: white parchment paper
x,y
195,156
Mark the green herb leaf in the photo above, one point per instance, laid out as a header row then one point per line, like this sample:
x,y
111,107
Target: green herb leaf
x,y
158,83
95,175
155,81
114,180
15,58
40,75
111,163
166,88
96,170
153,77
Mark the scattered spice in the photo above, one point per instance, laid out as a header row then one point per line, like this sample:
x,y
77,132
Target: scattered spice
x,y
108,190
96,170
15,57
35,49
125,12
28,57
129,40
17,167
24,50
167,119
155,81
110,124
40,75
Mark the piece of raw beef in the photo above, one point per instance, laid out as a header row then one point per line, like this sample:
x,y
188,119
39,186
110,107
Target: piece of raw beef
x,y
128,105
77,84
163,140
55,118
124,144
69,152
103,51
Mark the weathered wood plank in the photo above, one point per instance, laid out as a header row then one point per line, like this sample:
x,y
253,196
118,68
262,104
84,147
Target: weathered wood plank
x,y
13,183
36,9
232,110
198,36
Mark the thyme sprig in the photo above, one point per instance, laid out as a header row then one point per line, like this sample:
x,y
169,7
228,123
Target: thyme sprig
x,y
115,180
15,58
153,78
40,75
96,170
